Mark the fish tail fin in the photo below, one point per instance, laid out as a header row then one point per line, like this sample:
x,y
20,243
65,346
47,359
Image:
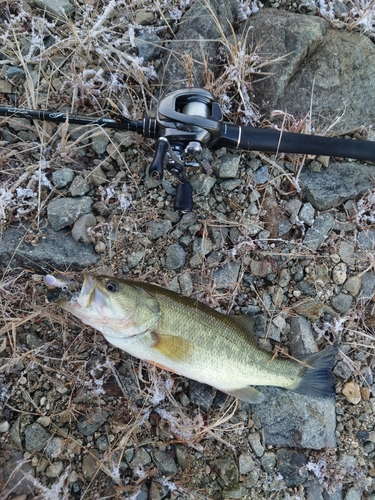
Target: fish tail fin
x,y
317,379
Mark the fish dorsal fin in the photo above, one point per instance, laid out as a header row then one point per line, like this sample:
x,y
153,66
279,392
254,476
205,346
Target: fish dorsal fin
x,y
172,347
245,321
247,394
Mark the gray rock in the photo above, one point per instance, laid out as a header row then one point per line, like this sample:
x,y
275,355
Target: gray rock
x,y
5,86
55,469
182,456
368,287
15,434
284,278
202,184
290,35
36,437
301,338
293,206
307,214
291,465
336,495
165,464
313,489
98,177
100,143
318,68
347,252
339,274
319,231
268,461
101,208
284,227
62,212
202,246
227,166
135,258
54,447
230,184
17,476
124,139
56,249
201,394
88,425
255,443
366,239
141,457
144,17
80,186
336,184
342,302
14,74
62,177
261,268
4,426
149,46
159,229
261,175
186,284
200,28
175,256
227,275
90,464
353,285
56,8
343,370
141,495
158,491
353,493
245,463
296,420
226,469
218,235
102,443
81,225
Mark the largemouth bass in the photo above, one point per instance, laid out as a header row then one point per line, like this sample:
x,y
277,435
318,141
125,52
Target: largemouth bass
x,y
189,338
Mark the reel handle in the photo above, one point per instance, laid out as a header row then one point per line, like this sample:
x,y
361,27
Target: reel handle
x,y
156,169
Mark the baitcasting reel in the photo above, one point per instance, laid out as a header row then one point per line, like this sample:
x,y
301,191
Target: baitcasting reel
x,y
190,119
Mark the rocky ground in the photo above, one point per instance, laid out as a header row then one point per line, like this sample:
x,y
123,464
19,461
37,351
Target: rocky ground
x,y
289,239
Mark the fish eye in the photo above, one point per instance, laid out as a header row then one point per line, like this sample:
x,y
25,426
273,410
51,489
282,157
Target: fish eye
x,y
112,286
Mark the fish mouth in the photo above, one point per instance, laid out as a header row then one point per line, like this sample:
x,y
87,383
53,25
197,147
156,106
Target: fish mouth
x,y
87,294
89,298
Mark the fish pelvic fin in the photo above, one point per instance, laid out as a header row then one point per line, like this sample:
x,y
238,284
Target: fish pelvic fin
x,y
247,394
172,347
317,378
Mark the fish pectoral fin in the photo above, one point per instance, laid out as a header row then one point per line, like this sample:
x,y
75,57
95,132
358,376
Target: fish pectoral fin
x,y
172,347
247,394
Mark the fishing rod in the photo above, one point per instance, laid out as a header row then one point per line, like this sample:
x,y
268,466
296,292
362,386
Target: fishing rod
x,y
190,119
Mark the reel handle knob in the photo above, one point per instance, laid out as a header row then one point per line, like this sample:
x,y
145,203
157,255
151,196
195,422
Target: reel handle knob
x,y
184,195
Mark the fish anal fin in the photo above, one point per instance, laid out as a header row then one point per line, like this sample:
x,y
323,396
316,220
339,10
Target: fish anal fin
x,y
172,347
247,394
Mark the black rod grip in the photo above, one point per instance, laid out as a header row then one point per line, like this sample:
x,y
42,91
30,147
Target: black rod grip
x,y
261,139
